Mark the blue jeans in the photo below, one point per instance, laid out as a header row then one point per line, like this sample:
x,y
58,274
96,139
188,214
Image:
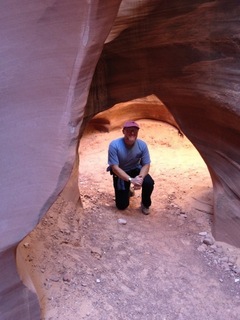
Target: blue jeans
x,y
122,195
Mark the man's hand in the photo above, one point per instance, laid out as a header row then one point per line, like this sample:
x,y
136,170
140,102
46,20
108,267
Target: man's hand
x,y
137,182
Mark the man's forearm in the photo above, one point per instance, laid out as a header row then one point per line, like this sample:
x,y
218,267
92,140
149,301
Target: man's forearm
x,y
137,181
144,170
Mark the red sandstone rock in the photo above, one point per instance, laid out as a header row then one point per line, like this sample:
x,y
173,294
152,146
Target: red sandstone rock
x,y
48,55
187,55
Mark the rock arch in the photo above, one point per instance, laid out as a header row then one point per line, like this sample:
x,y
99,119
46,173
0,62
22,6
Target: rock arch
x,y
186,55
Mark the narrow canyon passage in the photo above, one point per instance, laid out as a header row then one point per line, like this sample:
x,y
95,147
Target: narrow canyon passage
x,y
90,266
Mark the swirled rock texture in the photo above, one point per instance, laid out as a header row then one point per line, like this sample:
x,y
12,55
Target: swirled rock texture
x,y
62,63
48,53
187,55
145,108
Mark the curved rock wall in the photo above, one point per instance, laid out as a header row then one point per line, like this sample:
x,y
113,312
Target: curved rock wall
x,y
48,53
145,108
188,56
186,53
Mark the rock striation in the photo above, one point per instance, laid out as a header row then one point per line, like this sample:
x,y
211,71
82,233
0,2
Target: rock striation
x,y
63,63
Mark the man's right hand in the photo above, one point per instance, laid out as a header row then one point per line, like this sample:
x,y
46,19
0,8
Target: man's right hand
x,y
137,182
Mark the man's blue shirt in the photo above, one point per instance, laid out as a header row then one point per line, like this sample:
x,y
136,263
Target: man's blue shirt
x,y
128,158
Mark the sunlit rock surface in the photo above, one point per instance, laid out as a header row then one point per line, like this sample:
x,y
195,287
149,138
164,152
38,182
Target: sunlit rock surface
x,y
185,53
188,56
144,108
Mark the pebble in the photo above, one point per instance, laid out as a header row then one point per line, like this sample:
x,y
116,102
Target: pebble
x,y
67,278
122,221
96,251
183,215
237,269
26,245
208,240
204,233
54,278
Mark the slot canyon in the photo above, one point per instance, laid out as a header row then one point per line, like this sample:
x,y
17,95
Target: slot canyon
x,y
71,74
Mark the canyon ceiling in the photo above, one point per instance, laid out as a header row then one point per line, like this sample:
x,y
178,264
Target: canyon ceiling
x,y
64,62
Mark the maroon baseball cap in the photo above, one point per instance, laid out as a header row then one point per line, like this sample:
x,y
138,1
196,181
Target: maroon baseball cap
x,y
130,124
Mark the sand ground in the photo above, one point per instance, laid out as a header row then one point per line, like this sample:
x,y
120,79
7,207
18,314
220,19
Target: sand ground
x,y
87,265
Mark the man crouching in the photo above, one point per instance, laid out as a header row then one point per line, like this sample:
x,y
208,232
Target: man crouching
x,y
129,162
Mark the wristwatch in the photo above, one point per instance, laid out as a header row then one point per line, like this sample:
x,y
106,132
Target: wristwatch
x,y
130,179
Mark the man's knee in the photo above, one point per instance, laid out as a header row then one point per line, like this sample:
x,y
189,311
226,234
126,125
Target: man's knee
x,y
148,181
121,206
122,199
122,203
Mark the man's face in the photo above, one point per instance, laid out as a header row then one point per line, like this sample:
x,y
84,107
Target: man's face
x,y
130,135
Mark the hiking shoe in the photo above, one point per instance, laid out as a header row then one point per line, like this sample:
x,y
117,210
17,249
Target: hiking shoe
x,y
131,192
145,210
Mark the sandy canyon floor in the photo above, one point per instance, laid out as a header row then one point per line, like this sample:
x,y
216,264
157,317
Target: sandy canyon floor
x,y
88,265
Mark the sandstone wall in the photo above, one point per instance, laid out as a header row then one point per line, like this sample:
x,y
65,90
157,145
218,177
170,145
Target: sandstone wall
x,y
48,53
188,56
185,53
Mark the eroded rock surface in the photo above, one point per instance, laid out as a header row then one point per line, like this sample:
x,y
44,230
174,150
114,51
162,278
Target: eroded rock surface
x,y
186,54
49,51
144,108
